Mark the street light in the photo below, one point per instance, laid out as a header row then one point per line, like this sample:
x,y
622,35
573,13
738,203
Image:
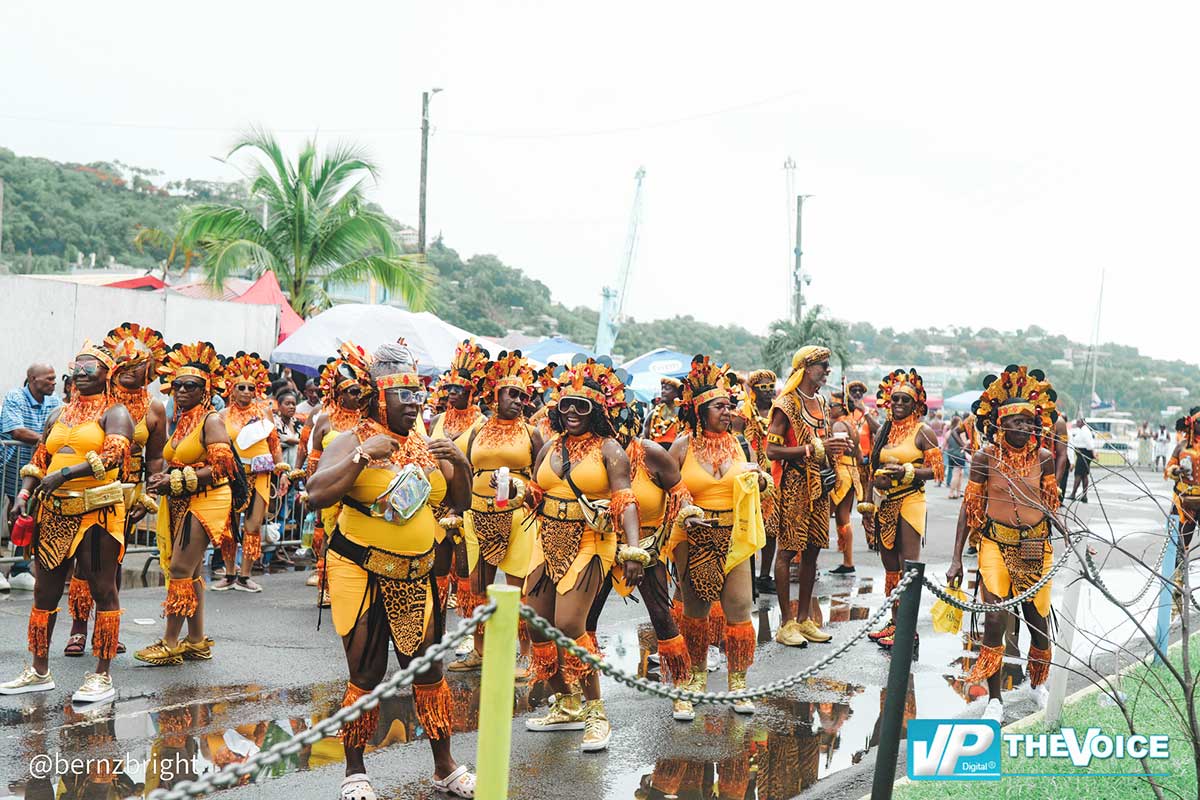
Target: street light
x,y
424,165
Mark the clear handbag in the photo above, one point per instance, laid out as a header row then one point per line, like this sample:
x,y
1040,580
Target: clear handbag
x,y
405,495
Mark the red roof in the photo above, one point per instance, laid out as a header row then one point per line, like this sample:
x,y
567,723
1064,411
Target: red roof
x,y
266,292
144,282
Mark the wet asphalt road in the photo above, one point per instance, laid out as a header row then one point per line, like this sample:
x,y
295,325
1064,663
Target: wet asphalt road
x,y
273,671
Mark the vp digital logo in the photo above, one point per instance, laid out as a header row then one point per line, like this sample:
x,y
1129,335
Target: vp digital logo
x,y
953,750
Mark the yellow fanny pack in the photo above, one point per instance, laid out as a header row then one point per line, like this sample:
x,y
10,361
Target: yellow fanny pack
x,y
73,504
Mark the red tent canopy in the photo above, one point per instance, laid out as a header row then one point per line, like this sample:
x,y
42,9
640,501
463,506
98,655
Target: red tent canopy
x,y
144,282
266,292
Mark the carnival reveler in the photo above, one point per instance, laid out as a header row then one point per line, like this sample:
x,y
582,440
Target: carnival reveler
x,y
756,410
249,422
198,465
803,449
660,493
1183,469
379,559
344,382
905,455
73,490
579,472
136,352
1009,500
716,536
662,425
865,427
500,531
849,482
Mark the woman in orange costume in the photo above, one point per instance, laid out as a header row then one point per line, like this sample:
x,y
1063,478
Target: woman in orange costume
x,y
502,536
715,538
198,464
577,541
1183,468
249,423
905,456
136,353
849,483
379,559
344,384
80,519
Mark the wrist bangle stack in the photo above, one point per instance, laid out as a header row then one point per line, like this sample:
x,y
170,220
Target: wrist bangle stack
x,y
176,482
148,503
686,513
191,480
282,467
909,473
450,522
32,471
630,553
818,449
518,498
96,463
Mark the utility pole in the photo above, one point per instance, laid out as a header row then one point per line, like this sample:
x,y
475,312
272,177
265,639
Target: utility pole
x,y
789,171
799,279
1,215
424,165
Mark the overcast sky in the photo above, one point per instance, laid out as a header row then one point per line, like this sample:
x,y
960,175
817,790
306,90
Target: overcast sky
x,y
969,164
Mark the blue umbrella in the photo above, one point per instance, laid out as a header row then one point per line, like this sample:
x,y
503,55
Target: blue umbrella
x,y
961,402
648,369
557,349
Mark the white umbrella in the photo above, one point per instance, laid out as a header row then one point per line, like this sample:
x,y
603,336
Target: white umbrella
x,y
432,339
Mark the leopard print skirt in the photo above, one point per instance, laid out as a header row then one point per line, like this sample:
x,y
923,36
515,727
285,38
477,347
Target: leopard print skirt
x,y
707,550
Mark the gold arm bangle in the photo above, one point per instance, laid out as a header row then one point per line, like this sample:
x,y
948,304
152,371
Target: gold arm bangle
x,y
686,513
519,497
176,482
818,448
450,522
191,479
909,473
147,502
866,508
32,471
775,438
96,463
628,553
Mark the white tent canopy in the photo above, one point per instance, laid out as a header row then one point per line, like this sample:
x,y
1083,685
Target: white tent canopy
x,y
432,340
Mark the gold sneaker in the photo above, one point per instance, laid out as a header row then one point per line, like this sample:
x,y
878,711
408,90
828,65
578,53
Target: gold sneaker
x,y
160,655
196,651
469,663
737,683
566,714
810,631
28,681
596,730
791,634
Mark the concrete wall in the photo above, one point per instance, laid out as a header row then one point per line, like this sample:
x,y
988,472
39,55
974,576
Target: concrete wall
x,y
47,320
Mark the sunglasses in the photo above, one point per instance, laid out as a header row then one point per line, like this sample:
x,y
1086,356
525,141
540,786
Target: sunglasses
x,y
245,387
823,365
88,368
353,391
407,396
580,405
763,387
188,386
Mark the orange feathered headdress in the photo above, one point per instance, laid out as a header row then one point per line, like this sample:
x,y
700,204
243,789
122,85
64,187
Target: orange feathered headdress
x,y
198,359
132,344
704,382
908,383
572,382
1017,390
509,369
101,354
467,367
248,367
351,367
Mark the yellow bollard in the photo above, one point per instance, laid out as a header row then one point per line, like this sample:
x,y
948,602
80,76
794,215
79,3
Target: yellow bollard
x,y
496,694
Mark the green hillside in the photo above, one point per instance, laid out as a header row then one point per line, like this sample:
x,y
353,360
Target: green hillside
x,y
53,212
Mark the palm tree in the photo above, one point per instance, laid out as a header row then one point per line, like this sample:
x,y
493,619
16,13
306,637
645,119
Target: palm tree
x,y
787,337
163,240
319,232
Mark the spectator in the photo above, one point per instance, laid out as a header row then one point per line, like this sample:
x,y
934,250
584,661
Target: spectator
x,y
22,419
956,458
1164,445
1145,441
1084,444
311,403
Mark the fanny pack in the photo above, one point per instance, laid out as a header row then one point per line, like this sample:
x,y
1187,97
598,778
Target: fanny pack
x,y
1030,541
73,504
384,563
260,465
403,498
595,512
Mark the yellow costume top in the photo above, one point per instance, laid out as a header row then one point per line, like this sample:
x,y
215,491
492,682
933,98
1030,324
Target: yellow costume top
x,y
211,507
1186,491
237,418
502,536
902,502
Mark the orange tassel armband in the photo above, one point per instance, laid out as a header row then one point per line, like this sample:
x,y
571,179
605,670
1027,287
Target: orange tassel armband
x,y
1050,496
310,466
574,669
935,461
739,645
251,547
115,452
359,732
434,706
181,598
41,457
988,664
79,599
695,635
975,505
543,661
105,637
534,494
673,660
220,460
621,500
678,497
39,631
1038,665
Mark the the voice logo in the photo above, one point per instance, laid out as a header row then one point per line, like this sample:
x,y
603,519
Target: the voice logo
x,y
947,749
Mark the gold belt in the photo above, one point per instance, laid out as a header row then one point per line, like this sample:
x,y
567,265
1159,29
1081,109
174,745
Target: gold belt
x,y
720,519
486,504
1006,534
73,504
397,566
565,510
1187,489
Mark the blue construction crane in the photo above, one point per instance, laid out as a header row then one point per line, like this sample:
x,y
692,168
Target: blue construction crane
x,y
613,300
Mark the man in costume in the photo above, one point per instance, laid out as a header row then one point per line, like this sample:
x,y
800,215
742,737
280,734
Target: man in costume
x,y
800,443
756,410
1010,498
662,425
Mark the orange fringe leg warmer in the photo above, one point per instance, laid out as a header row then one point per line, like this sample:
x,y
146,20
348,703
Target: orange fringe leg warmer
x,y
468,601
673,660
677,611
988,664
523,629
39,631
105,636
739,645
574,670
181,599
544,661
359,732
229,555
252,547
1039,665
434,706
845,538
79,599
716,625
695,635
443,589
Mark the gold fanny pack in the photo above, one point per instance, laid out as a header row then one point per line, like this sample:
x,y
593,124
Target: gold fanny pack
x,y
74,504
128,490
720,519
1031,540
564,510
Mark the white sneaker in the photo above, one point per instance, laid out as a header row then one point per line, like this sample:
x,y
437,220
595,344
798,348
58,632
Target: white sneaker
x,y
994,711
28,681
4,587
716,659
96,689
357,787
1040,695
22,581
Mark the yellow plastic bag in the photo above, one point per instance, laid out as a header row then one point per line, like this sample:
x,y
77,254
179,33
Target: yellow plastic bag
x,y
948,618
